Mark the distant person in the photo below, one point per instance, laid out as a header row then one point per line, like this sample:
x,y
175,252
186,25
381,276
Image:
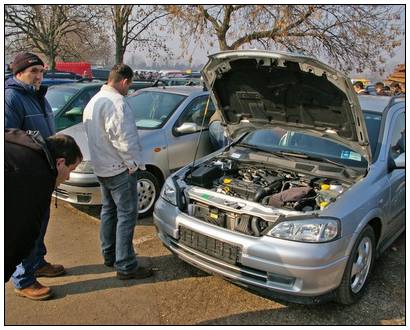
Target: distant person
x,y
27,108
116,155
403,87
359,88
395,89
380,90
33,167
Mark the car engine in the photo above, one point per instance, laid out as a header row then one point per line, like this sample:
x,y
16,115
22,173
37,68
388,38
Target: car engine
x,y
270,187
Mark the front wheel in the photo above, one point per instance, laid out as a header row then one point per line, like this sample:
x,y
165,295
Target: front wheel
x,y
358,268
148,189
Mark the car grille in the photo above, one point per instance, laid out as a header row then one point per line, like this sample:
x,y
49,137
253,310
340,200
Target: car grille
x,y
238,269
81,197
244,223
210,246
61,193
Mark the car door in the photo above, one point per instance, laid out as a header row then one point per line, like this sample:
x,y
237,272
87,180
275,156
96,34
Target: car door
x,y
73,114
396,177
182,146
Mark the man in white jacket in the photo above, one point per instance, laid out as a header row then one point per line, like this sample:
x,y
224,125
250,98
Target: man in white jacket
x,y
116,155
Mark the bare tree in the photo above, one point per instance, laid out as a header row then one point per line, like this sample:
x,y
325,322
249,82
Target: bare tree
x,y
349,36
134,24
49,29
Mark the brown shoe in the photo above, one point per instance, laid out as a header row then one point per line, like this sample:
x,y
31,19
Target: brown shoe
x,y
49,270
36,291
138,273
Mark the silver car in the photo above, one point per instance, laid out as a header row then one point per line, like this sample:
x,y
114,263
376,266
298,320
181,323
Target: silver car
x,y
169,120
309,192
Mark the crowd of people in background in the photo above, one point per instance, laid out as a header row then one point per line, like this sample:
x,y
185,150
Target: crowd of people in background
x,y
380,89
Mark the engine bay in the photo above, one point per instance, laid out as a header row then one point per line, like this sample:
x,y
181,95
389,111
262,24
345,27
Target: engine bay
x,y
258,183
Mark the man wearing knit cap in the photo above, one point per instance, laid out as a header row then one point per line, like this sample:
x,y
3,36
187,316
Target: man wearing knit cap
x,y
26,108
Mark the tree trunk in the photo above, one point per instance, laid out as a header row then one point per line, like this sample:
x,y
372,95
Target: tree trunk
x,y
119,50
51,61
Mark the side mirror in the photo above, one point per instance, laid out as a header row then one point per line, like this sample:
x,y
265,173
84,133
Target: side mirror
x,y
74,112
400,161
187,128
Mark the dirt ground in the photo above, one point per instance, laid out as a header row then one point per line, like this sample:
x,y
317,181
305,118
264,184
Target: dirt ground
x,y
177,293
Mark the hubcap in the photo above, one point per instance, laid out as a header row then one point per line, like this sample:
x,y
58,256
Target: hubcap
x,y
361,264
146,195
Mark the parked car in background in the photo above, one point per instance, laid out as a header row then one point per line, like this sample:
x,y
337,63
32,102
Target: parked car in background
x,y
69,100
370,89
169,120
101,74
183,81
309,193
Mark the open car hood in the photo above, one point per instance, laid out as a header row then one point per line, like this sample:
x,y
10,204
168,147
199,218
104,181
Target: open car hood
x,y
254,89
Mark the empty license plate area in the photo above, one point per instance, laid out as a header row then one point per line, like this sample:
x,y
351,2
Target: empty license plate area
x,y
208,245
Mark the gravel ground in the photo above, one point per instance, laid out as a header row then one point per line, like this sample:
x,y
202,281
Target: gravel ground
x,y
178,293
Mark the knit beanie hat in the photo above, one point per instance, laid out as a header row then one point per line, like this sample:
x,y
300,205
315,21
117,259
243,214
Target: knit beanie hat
x,y
24,60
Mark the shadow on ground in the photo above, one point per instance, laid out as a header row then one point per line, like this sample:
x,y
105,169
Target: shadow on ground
x,y
160,265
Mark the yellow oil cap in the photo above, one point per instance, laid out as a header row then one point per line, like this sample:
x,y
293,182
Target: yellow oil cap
x,y
323,204
227,180
325,186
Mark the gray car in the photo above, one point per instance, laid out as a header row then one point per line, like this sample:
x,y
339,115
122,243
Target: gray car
x,y
169,120
310,191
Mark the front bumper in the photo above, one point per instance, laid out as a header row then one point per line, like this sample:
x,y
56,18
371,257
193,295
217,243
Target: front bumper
x,y
266,264
81,188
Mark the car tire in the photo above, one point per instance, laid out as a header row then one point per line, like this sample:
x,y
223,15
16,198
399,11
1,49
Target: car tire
x,y
358,268
148,189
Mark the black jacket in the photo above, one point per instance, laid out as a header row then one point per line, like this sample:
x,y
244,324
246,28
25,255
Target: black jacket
x,y
29,180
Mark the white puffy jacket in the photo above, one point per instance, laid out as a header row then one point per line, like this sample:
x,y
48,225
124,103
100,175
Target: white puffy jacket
x,y
113,138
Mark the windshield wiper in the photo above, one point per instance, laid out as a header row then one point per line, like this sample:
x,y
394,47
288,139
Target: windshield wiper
x,y
280,154
307,156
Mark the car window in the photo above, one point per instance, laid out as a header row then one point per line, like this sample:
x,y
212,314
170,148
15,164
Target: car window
x,y
397,144
279,139
373,122
194,112
59,97
82,100
152,109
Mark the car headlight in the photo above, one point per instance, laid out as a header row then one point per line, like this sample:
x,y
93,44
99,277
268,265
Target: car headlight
x,y
310,230
168,191
84,167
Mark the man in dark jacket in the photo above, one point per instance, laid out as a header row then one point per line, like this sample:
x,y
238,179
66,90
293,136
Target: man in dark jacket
x,y
26,108
33,167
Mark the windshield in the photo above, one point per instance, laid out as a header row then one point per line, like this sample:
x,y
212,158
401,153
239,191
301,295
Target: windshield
x,y
58,97
373,122
152,109
279,139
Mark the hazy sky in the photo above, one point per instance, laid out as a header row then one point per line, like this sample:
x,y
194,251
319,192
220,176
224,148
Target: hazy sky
x,y
199,55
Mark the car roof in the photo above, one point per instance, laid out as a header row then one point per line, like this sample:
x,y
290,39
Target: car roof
x,y
183,90
376,103
79,85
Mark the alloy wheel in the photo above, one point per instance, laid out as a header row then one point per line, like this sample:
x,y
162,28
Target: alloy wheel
x,y
146,195
361,264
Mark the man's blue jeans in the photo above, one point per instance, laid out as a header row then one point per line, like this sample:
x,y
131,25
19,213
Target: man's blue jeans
x,y
24,274
118,219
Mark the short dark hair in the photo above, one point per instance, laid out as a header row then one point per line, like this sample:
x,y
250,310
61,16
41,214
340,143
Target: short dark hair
x,y
64,146
120,72
379,84
358,84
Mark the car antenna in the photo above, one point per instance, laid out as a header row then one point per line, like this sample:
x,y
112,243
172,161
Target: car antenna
x,y
202,128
